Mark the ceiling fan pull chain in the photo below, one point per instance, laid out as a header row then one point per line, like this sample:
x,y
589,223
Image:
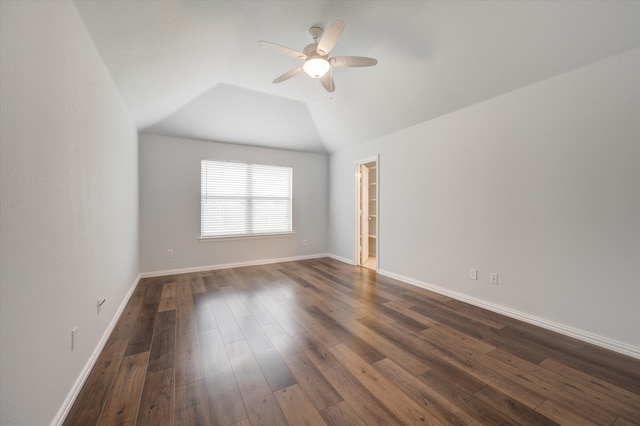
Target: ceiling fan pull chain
x,y
331,74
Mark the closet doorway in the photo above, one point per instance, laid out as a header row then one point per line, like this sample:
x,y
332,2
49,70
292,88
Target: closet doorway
x,y
367,179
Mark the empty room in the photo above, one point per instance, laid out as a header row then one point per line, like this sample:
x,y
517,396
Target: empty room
x,y
358,212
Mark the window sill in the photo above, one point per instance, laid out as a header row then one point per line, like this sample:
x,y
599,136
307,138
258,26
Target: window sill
x,y
245,237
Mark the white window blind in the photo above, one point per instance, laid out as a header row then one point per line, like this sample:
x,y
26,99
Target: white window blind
x,y
244,199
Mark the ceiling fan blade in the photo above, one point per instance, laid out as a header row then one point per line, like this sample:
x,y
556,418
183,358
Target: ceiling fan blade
x,y
352,61
327,82
282,49
330,37
287,75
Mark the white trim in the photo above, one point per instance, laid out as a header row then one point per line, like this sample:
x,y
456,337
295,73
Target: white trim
x,y
342,259
357,164
245,237
84,374
229,265
356,212
366,160
585,336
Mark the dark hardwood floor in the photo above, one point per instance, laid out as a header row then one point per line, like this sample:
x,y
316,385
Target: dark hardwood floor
x,y
320,342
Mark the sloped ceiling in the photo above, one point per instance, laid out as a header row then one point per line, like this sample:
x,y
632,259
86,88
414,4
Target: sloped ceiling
x,y
194,69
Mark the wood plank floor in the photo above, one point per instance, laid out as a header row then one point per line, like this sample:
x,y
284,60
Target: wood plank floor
x,y
320,342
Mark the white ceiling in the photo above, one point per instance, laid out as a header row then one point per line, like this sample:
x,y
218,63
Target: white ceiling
x,y
194,68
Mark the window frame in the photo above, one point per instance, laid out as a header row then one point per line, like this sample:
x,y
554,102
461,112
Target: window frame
x,y
248,219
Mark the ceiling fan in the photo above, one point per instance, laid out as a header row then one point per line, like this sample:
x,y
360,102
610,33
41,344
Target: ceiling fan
x,y
317,62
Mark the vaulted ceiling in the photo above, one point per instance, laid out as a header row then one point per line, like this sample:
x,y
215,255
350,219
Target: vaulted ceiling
x,y
194,68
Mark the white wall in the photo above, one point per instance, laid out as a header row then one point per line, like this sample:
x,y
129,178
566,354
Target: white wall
x,y
541,185
69,205
170,205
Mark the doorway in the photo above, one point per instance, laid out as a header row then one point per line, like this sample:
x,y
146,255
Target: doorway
x,y
367,193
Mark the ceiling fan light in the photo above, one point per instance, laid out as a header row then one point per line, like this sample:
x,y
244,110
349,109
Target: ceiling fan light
x,y
316,67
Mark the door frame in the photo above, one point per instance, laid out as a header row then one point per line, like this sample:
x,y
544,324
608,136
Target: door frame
x,y
357,238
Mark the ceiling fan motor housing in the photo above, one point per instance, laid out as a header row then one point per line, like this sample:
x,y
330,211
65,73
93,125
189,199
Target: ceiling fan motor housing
x,y
310,49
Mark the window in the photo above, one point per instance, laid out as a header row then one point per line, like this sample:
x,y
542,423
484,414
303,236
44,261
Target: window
x,y
239,199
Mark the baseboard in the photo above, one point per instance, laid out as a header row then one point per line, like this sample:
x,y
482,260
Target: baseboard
x,y
229,265
604,342
341,259
77,387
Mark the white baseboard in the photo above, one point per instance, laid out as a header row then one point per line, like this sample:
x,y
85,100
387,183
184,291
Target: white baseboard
x,y
604,342
229,265
77,387
341,259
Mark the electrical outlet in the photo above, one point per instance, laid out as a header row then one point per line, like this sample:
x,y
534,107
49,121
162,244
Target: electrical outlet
x,y
493,278
473,274
74,337
169,252
305,243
